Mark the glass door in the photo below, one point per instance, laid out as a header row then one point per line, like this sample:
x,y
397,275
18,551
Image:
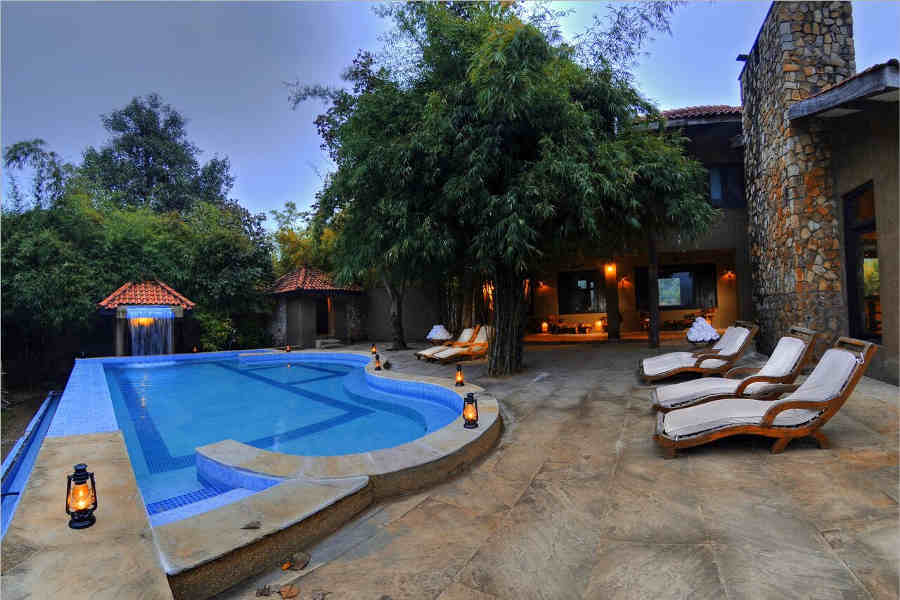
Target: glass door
x,y
863,280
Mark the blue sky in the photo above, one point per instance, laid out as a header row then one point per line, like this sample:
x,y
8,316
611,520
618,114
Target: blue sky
x,y
222,65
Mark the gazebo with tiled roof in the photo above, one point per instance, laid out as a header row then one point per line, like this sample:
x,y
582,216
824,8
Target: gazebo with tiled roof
x,y
142,293
311,305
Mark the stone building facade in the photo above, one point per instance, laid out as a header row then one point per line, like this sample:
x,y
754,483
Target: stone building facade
x,y
794,217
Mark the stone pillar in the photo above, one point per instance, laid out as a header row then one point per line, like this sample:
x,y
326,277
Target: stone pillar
x,y
793,226
119,335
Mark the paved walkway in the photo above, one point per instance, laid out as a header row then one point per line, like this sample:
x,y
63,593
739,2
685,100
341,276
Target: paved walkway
x,y
577,502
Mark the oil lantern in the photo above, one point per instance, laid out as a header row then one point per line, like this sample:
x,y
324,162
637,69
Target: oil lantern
x,y
459,377
81,497
470,411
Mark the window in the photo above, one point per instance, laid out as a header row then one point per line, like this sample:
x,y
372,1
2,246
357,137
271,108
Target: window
x,y
680,286
863,275
726,186
581,292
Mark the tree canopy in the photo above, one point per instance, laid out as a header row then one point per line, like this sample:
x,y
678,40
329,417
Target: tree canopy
x,y
495,145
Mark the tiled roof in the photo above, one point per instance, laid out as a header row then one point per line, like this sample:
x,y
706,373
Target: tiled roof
x,y
890,63
307,279
701,112
152,293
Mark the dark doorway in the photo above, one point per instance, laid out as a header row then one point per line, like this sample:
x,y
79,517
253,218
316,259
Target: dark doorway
x,y
322,316
863,280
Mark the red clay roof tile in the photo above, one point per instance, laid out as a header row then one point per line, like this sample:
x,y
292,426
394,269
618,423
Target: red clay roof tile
x,y
307,279
700,112
152,293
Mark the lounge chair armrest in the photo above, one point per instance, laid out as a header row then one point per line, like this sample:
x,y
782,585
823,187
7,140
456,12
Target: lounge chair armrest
x,y
781,406
700,358
741,372
743,385
705,351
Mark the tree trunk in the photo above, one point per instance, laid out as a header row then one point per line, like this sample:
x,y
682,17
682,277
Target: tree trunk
x,y
468,299
395,294
653,289
505,354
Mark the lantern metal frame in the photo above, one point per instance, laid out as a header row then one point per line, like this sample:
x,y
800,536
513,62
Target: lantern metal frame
x,y
377,362
84,518
470,400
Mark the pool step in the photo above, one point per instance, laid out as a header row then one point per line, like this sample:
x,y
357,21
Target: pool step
x,y
328,343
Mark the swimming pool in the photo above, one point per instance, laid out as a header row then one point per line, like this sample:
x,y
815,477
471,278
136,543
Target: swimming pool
x,y
312,406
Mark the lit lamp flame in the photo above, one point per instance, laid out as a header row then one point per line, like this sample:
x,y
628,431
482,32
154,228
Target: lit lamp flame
x,y
470,411
545,327
598,325
459,376
373,349
81,497
611,269
143,321
729,275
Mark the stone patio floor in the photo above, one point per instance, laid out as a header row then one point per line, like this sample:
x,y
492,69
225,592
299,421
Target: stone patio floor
x,y
576,501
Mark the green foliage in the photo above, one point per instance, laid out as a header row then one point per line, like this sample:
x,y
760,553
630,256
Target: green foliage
x,y
149,161
297,243
494,145
216,331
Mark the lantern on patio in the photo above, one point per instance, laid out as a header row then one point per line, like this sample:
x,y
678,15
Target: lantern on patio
x,y
545,327
377,363
373,349
287,348
81,498
195,348
470,411
459,377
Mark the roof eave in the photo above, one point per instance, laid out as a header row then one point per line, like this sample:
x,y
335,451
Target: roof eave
x,y
876,82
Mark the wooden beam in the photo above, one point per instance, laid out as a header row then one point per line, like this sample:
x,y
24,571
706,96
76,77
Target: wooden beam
x,y
856,89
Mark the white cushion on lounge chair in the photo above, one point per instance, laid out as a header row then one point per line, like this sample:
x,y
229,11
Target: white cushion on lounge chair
x,y
657,365
669,396
828,378
730,343
825,383
465,336
729,412
482,338
785,356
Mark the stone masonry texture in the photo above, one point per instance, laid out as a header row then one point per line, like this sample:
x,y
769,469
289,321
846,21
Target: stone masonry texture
x,y
793,216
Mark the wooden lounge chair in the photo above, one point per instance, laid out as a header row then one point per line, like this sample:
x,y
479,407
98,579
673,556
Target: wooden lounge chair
x,y
709,361
773,379
477,349
799,414
466,337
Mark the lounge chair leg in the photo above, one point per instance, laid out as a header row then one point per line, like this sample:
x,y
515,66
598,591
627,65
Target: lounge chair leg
x,y
821,439
779,446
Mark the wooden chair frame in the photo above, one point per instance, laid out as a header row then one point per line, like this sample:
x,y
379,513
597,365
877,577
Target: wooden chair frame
x,y
708,353
784,384
450,344
783,435
470,351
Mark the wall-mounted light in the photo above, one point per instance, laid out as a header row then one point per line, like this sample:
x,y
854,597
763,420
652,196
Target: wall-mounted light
x,y
377,363
470,411
81,498
545,327
729,275
459,376
143,321
611,269
598,325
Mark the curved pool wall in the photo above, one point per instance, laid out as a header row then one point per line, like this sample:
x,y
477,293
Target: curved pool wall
x,y
86,407
292,500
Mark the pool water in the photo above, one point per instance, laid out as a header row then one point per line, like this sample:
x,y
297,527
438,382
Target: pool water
x,y
166,410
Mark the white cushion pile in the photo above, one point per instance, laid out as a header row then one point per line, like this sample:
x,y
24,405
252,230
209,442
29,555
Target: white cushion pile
x,y
465,336
438,333
702,331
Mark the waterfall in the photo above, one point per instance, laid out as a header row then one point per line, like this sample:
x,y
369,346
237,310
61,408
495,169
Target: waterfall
x,y
152,329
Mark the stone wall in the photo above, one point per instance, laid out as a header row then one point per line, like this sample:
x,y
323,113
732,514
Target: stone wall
x,y
794,218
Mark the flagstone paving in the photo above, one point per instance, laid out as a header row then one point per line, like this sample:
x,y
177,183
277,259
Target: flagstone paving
x,y
576,501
